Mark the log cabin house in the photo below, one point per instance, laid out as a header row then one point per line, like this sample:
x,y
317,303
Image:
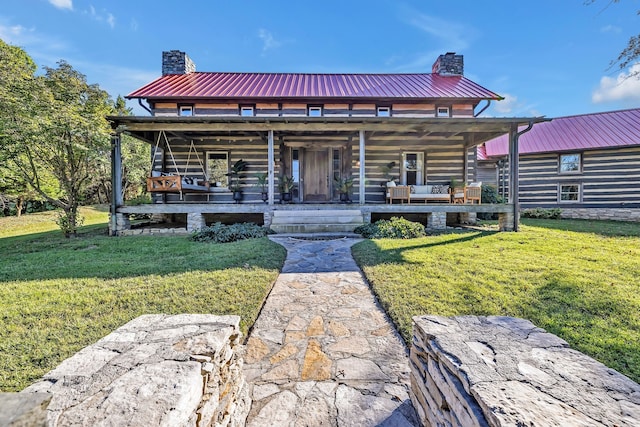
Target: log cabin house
x,y
337,138
586,165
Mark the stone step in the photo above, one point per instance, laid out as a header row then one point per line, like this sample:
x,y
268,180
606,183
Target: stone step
x,y
306,219
313,228
316,212
316,221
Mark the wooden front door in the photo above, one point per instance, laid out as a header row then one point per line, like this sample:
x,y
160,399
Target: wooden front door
x,y
315,175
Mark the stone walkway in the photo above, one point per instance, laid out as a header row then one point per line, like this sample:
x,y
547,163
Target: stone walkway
x,y
322,352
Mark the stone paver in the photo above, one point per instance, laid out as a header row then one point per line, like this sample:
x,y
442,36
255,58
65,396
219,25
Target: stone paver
x,y
322,352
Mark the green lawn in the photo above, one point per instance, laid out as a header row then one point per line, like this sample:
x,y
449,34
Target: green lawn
x,y
58,295
579,280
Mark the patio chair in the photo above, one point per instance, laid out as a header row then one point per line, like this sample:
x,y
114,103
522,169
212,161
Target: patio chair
x,y
457,195
399,192
473,193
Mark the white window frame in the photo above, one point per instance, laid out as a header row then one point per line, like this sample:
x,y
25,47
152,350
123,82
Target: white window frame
x,y
561,163
224,177
443,112
247,111
182,109
383,111
315,108
577,193
419,167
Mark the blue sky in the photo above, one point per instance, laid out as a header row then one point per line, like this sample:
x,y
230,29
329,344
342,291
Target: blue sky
x,y
546,57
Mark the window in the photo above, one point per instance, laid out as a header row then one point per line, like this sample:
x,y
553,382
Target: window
x,y
247,111
218,168
442,112
570,163
569,193
185,110
315,111
384,111
412,164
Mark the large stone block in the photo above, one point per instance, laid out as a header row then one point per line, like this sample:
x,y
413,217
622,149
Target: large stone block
x,y
180,370
503,371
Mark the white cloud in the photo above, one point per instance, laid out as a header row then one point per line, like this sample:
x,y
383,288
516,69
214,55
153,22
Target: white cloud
x,y
62,4
101,16
36,43
452,34
442,34
624,87
611,29
111,20
507,105
13,33
268,41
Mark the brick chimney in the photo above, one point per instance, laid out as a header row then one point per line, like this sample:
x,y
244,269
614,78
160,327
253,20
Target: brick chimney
x,y
448,64
176,62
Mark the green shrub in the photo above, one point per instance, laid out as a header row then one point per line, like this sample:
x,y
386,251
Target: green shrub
x,y
367,231
490,195
541,213
220,233
394,228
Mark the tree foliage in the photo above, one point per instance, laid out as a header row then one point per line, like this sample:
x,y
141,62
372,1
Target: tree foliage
x,y
55,139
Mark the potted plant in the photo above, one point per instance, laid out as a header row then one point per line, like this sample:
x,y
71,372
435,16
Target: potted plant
x,y
344,186
263,181
388,178
286,185
386,171
236,185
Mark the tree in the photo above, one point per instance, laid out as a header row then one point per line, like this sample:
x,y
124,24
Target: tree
x,y
629,54
18,86
53,130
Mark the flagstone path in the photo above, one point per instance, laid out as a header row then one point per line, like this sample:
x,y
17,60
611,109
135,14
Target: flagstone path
x,y
322,352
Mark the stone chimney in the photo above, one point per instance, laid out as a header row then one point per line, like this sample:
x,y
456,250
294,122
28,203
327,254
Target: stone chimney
x,y
176,62
448,64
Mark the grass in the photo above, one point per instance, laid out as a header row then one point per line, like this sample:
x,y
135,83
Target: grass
x,y
576,279
59,295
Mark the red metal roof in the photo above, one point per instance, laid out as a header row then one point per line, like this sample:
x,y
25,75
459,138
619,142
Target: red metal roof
x,y
572,133
294,85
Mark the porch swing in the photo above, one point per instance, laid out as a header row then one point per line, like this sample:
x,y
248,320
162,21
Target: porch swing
x,y
166,182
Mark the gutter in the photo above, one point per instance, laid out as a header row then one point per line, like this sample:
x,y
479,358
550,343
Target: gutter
x,y
144,106
484,108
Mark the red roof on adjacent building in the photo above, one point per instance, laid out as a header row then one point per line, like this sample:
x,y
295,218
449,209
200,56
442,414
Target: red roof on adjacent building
x,y
296,85
573,133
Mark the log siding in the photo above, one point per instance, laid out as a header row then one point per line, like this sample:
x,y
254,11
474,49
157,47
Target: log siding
x,y
609,178
171,109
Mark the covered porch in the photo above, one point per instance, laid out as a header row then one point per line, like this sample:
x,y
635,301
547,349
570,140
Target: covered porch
x,y
317,154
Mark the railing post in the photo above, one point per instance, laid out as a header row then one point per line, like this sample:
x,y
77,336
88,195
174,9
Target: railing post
x,y
362,175
270,168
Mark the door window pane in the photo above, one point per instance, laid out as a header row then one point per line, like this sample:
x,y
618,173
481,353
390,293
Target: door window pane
x,y
217,168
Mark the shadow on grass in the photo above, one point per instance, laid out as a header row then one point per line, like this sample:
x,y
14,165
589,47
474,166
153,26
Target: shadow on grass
x,y
395,255
94,254
603,228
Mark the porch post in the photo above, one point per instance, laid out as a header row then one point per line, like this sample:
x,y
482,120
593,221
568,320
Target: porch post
x,y
116,180
514,171
270,171
362,177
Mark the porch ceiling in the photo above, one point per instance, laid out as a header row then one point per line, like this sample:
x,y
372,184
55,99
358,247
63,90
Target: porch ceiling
x,y
472,130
